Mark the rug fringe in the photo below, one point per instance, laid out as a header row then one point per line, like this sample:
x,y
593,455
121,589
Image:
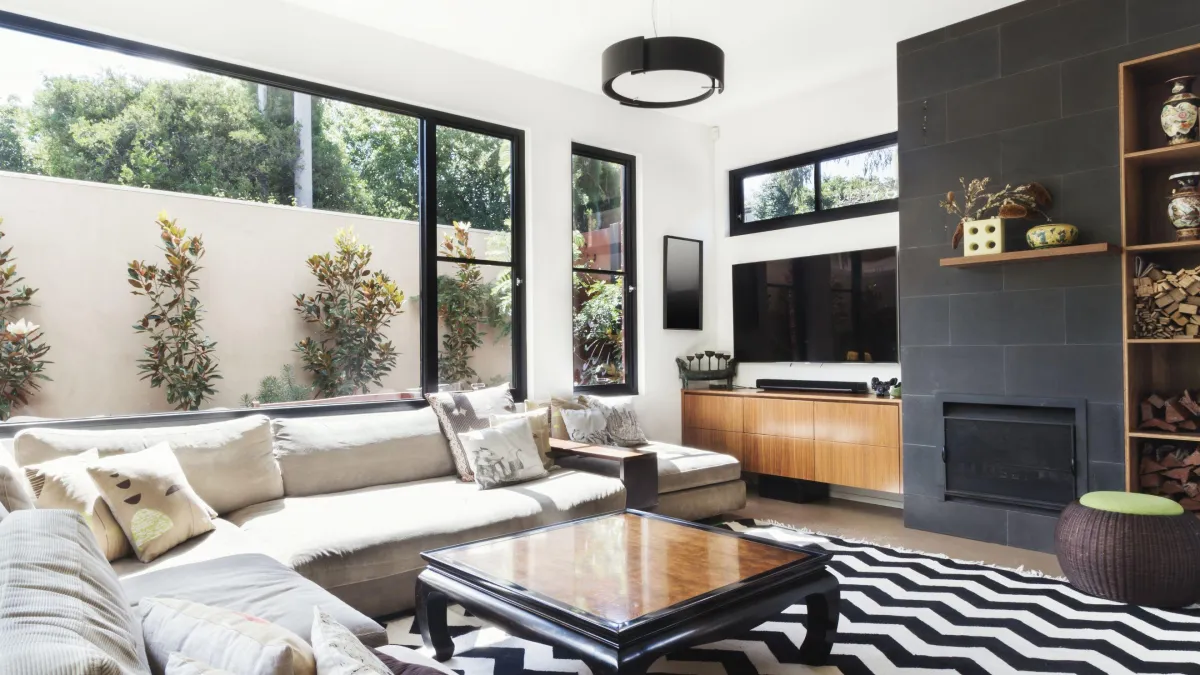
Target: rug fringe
x,y
901,549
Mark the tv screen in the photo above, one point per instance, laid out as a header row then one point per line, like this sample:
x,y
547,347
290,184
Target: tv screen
x,y
827,308
683,283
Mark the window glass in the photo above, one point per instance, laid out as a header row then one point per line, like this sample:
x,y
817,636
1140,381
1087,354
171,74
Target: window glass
x,y
863,177
475,324
779,194
598,328
474,187
598,213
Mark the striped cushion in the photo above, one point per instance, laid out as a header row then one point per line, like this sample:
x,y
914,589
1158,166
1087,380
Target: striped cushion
x,y
62,610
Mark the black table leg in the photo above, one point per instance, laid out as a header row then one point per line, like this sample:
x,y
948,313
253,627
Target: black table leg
x,y
431,614
824,606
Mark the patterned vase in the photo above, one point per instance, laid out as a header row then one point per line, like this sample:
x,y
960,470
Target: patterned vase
x,y
1179,113
1183,207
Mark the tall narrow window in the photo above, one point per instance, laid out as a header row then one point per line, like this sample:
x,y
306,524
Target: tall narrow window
x,y
604,270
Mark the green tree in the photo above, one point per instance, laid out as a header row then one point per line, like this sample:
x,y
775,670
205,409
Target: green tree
x,y
474,179
13,123
372,153
785,193
200,135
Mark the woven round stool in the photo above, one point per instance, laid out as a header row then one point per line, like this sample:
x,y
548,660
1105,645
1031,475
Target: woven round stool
x,y
1131,547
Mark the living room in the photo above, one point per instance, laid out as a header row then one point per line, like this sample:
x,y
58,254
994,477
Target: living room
x,y
654,336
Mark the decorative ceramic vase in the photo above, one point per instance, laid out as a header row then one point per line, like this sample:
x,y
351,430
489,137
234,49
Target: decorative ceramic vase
x,y
983,237
1183,207
1180,112
1051,235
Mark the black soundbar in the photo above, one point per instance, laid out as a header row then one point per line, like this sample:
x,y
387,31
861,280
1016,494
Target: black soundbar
x,y
813,385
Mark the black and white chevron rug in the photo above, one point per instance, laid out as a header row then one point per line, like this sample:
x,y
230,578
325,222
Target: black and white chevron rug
x,y
902,612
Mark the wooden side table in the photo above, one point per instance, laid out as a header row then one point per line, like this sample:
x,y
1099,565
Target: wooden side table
x,y
637,470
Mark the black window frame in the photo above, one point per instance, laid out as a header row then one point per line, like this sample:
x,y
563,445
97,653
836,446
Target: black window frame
x,y
629,272
818,215
429,120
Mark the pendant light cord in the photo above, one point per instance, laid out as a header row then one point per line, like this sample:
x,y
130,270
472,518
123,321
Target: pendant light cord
x,y
654,16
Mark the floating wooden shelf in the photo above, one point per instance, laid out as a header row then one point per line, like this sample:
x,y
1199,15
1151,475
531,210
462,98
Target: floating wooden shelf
x,y
1164,247
1172,154
1161,341
1035,254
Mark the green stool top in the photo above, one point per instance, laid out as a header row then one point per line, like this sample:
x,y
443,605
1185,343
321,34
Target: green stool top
x,y
1133,503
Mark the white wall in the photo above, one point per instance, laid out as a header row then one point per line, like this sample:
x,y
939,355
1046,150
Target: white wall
x,y
850,111
675,157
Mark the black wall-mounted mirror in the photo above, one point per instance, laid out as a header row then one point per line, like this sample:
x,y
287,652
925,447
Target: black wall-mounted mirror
x,y
683,283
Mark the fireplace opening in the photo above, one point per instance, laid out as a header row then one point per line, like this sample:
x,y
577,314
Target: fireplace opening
x,y
1014,451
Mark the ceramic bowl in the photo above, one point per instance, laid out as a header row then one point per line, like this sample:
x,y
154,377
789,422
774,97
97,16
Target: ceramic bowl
x,y
1051,235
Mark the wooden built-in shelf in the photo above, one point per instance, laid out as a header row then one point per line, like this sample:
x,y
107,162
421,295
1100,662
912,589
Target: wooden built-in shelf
x,y
1167,156
1162,341
1166,436
1164,247
1103,248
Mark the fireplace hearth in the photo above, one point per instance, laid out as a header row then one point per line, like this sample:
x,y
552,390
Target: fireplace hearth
x,y
1014,451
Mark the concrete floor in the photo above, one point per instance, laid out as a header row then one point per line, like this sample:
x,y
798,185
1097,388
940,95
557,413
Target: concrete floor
x,y
884,525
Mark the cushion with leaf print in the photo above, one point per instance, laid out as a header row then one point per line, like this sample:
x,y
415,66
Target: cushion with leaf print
x,y
64,483
151,500
620,420
463,411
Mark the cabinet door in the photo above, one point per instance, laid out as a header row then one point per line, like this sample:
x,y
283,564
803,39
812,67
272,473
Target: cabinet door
x,y
776,456
861,423
712,411
778,417
728,442
863,466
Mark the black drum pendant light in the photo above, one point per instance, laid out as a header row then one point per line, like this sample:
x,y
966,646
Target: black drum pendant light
x,y
687,63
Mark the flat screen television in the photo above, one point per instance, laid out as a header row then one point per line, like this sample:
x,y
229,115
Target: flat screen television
x,y
834,308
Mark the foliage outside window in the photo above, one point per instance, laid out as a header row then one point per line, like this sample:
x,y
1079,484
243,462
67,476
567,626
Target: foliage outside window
x,y
848,181
602,226
22,348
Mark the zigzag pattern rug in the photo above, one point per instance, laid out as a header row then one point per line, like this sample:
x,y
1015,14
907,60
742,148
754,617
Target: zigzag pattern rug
x,y
902,612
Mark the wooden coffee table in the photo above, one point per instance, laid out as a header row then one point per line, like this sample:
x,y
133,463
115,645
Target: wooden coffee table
x,y
620,590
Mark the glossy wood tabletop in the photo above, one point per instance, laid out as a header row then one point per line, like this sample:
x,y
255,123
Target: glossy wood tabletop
x,y
623,566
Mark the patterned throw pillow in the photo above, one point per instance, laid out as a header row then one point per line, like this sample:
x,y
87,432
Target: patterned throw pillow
x,y
463,411
504,454
179,664
223,638
586,426
339,652
558,428
621,420
539,424
64,483
151,500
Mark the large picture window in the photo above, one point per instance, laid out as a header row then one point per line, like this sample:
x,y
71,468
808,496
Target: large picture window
x,y
848,181
604,270
335,247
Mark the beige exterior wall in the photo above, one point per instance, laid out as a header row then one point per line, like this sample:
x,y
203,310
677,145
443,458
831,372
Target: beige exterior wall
x,y
73,240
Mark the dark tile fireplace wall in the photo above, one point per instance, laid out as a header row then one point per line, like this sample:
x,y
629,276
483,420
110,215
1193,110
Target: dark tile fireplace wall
x,y
1028,92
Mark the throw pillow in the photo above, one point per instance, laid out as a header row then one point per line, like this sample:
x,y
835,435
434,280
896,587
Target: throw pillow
x,y
222,638
64,483
504,454
14,489
586,426
621,420
151,500
539,424
463,411
558,428
417,666
179,664
338,652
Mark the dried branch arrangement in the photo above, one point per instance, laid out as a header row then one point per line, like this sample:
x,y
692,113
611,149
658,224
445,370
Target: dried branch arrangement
x,y
1024,201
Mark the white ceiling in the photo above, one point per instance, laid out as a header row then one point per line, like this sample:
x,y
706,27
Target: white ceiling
x,y
773,48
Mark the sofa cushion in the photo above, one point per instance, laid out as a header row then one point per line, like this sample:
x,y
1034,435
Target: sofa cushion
x,y
229,464
62,610
463,411
64,483
15,493
335,453
225,539
373,533
257,585
681,468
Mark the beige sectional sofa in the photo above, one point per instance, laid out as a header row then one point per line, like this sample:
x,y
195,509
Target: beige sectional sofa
x,y
350,501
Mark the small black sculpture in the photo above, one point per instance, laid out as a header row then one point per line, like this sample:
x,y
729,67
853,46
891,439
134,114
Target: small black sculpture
x,y
882,388
726,369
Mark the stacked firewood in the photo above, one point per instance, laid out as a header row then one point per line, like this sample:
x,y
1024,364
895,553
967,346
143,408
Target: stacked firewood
x,y
1171,471
1168,303
1178,413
